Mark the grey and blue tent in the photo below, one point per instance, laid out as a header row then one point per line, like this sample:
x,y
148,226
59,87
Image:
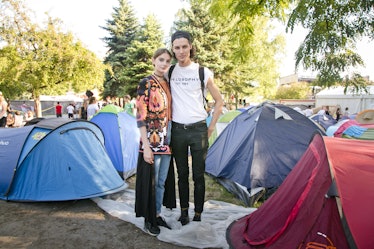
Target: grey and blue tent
x,y
55,160
259,148
122,138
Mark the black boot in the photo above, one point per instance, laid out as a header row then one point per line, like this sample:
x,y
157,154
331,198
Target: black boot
x,y
197,217
184,219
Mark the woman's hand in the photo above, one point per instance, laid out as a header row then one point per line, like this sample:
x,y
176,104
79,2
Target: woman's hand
x,y
148,155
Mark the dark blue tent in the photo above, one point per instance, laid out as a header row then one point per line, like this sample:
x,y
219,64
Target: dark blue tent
x,y
323,120
259,148
55,160
122,138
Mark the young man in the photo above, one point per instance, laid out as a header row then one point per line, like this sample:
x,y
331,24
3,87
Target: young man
x,y
58,110
70,108
189,128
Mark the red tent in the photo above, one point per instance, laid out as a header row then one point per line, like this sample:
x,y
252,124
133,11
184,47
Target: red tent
x,y
325,202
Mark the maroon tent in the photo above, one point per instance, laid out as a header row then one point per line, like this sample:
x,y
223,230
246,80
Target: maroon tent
x,y
326,201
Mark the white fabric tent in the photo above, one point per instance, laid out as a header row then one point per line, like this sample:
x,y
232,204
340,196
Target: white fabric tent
x,y
355,102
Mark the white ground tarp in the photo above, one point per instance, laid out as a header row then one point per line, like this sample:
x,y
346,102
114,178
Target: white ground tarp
x,y
210,232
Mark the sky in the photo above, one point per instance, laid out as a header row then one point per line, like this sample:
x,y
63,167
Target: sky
x,y
85,17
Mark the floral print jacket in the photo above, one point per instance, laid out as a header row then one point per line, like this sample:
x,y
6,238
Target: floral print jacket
x,y
153,111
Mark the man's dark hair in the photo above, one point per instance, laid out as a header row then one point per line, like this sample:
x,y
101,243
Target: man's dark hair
x,y
183,34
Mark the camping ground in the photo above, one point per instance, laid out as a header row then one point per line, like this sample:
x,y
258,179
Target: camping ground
x,y
68,224
78,224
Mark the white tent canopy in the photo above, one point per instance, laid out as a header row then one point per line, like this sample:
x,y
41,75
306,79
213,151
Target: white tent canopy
x,y
61,98
356,102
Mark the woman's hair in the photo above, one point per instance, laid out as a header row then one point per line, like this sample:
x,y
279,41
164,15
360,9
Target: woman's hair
x,y
92,100
161,51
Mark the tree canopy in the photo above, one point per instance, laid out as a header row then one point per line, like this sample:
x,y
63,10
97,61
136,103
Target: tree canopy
x,y
131,46
241,68
42,60
334,27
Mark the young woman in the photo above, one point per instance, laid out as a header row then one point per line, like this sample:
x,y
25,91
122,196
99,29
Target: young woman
x,y
92,108
153,105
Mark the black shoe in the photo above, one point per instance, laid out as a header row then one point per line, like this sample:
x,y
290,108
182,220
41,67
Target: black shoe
x,y
184,219
151,230
197,217
162,223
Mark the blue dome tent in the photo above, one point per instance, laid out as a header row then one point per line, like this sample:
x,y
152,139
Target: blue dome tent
x,y
122,138
55,160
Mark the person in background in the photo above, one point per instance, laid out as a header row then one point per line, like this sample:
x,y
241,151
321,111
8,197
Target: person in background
x,y
189,127
83,110
3,110
18,119
29,115
309,111
58,110
133,101
92,107
129,106
323,111
338,114
9,120
346,112
70,109
153,104
327,110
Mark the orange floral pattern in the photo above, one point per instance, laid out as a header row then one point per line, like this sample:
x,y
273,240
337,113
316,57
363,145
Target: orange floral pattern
x,y
152,112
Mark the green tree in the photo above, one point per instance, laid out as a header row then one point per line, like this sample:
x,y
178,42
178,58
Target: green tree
x,y
209,38
210,41
294,91
334,29
139,60
48,60
122,29
218,48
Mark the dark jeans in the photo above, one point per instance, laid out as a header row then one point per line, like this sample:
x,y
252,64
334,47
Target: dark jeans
x,y
195,138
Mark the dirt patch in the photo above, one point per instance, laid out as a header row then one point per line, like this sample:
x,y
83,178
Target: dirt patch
x,y
68,224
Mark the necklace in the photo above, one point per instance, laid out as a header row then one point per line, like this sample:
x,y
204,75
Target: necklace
x,y
160,76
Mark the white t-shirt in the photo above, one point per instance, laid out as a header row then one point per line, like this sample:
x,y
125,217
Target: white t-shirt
x,y
3,103
91,110
308,112
188,101
70,109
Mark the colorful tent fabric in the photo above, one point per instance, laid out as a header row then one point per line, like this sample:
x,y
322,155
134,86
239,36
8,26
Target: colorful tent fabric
x,y
352,129
122,138
54,160
259,148
323,120
325,202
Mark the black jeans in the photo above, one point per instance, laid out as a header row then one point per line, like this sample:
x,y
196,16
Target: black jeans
x,y
3,122
194,137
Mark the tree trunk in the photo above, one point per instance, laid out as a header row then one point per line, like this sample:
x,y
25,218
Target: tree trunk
x,y
37,107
